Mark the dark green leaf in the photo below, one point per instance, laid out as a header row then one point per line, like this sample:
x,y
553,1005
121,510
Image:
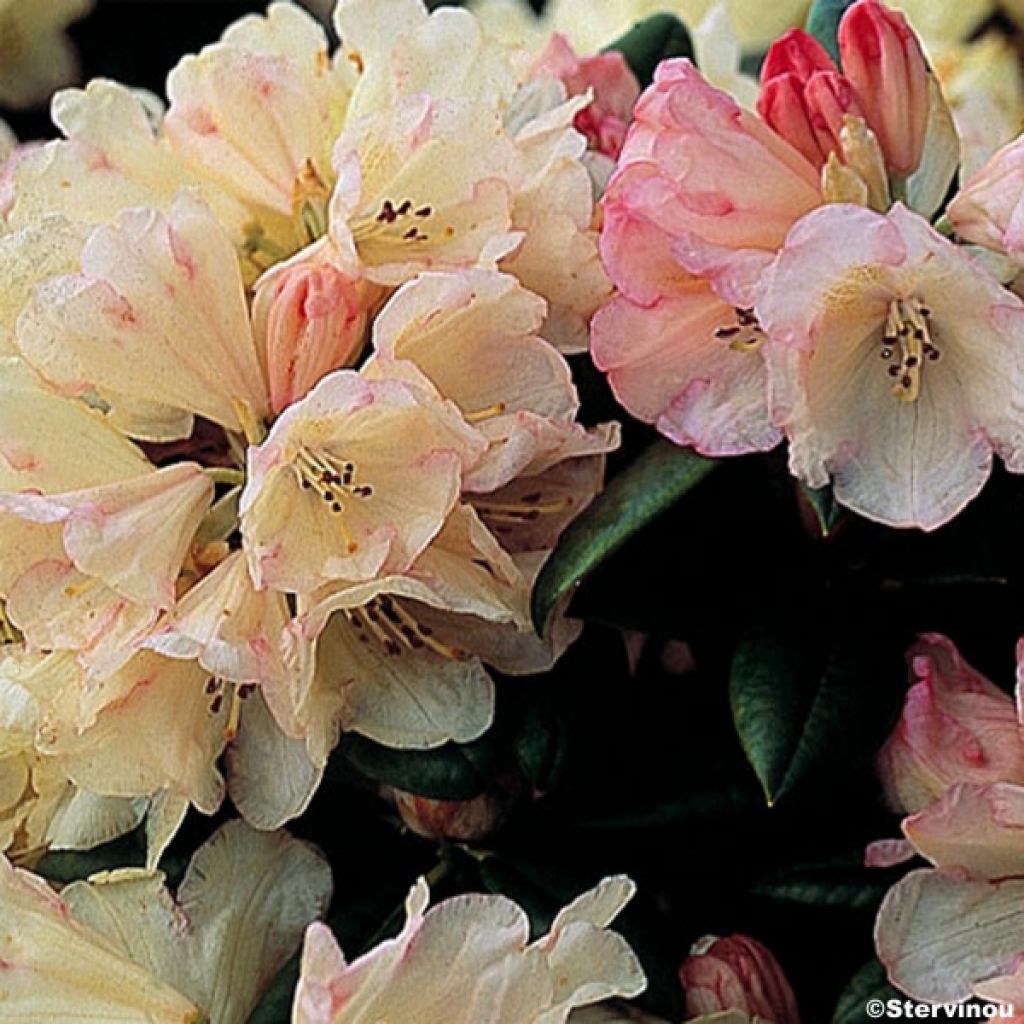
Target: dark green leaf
x,y
639,494
825,506
452,772
823,23
798,702
849,886
867,984
541,744
651,41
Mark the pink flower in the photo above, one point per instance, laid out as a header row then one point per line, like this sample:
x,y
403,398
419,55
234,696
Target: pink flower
x,y
737,973
988,210
804,97
883,59
703,197
308,318
615,90
895,364
956,727
722,185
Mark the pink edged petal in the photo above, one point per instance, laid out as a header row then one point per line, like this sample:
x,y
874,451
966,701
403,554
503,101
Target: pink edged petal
x,y
904,460
234,630
938,936
158,313
742,185
888,853
667,367
974,830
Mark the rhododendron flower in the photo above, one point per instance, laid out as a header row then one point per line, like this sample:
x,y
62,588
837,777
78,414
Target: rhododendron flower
x,y
258,113
722,185
883,59
704,188
737,973
353,481
804,97
956,727
120,947
944,939
895,364
499,971
159,313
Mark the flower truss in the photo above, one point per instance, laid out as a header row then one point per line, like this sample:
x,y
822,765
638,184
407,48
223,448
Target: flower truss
x,y
305,379
890,363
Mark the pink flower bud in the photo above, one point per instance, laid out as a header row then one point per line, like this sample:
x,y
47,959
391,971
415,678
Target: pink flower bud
x,y
804,98
956,727
308,319
883,59
737,973
459,820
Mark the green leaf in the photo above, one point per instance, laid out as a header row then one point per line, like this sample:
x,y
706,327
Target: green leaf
x,y
798,704
844,884
541,744
65,866
823,23
275,1007
825,506
866,985
452,772
639,494
651,41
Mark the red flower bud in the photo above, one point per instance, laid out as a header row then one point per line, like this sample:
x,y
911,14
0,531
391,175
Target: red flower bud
x,y
883,59
803,96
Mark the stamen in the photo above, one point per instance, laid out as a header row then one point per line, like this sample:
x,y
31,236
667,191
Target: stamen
x,y
907,329
383,619
485,414
332,479
525,510
745,335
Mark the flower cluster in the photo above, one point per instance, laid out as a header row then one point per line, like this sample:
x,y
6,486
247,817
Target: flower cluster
x,y
779,277
286,432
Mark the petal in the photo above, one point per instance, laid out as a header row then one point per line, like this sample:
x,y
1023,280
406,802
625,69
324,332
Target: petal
x,y
667,367
158,313
232,629
937,935
973,829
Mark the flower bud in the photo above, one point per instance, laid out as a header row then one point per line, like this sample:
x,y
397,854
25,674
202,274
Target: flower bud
x,y
883,60
737,973
803,97
956,727
308,319
460,820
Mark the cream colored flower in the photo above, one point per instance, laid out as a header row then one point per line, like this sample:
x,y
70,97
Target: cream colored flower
x,y
471,955
36,57
119,947
352,482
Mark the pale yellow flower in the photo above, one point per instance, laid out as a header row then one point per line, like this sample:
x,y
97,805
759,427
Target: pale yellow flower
x,y
471,955
119,947
36,57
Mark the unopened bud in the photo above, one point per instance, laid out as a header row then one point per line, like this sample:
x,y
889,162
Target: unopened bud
x,y
308,319
883,59
737,973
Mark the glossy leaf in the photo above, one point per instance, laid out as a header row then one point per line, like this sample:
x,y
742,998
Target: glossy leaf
x,y
866,985
823,23
651,41
659,477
